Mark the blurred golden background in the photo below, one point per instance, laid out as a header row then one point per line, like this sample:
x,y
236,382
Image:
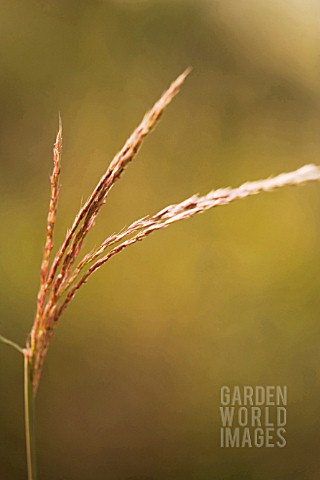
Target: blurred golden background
x,y
131,385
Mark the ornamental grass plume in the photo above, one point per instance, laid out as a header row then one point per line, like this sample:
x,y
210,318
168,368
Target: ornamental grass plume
x,y
62,276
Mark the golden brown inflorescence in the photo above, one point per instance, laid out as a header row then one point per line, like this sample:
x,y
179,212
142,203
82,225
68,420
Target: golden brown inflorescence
x,y
60,281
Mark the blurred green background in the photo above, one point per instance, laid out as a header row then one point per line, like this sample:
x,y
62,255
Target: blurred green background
x,y
131,386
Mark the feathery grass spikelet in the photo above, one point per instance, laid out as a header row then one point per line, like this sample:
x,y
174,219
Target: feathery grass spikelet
x,y
61,281
187,209
51,221
85,220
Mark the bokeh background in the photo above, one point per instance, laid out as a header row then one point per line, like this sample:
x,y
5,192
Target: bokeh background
x,y
131,386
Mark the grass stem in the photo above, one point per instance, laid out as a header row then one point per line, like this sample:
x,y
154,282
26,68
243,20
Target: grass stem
x,y
29,421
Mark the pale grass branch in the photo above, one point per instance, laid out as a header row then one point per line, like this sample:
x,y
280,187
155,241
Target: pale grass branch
x,y
93,205
190,207
165,217
12,344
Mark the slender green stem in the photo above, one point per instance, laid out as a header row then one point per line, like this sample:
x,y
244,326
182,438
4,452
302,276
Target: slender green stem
x,y
29,421
12,344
